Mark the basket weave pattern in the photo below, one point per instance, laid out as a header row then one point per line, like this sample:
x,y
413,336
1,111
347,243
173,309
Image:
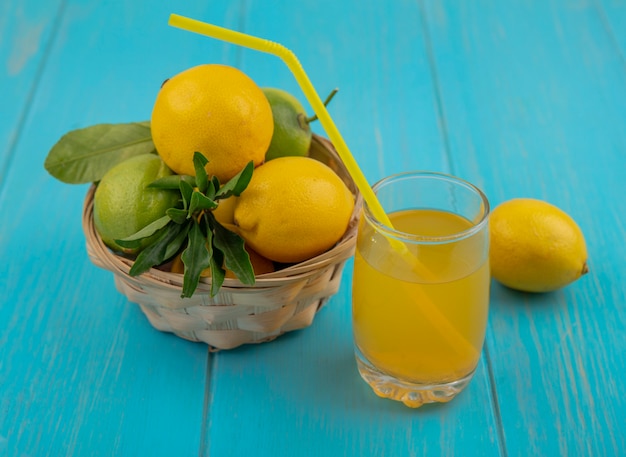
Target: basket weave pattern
x,y
279,302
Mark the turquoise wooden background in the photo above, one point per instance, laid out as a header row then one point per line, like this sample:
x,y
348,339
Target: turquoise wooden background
x,y
523,98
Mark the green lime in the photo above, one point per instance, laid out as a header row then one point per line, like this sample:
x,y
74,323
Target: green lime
x,y
292,134
123,204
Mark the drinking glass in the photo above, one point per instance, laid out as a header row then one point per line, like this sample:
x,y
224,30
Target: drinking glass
x,y
420,293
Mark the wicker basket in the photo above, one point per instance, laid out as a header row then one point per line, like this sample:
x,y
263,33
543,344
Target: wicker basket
x,y
279,302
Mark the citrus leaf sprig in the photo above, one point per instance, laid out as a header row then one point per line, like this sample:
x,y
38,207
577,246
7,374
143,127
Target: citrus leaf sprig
x,y
84,155
208,243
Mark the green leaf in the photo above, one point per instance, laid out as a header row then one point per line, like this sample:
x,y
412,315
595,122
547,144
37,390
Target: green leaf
x,y
85,155
211,190
132,244
180,216
172,182
216,183
217,271
154,254
202,179
145,232
200,203
196,258
237,184
236,257
186,190
174,246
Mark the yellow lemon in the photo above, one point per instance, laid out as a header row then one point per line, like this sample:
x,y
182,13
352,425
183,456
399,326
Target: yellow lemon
x,y
535,246
225,211
216,110
293,209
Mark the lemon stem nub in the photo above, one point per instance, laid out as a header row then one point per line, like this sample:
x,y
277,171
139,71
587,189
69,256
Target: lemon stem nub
x,y
326,102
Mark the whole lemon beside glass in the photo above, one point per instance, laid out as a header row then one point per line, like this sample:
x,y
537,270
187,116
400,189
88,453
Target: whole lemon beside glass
x,y
536,246
421,283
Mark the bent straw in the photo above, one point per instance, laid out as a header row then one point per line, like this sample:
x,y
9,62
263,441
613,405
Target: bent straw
x,y
311,94
432,314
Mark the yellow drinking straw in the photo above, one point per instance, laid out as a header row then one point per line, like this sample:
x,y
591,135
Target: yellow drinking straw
x,y
433,315
311,94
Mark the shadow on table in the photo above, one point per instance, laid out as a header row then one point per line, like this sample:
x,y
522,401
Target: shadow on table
x,y
313,368
509,299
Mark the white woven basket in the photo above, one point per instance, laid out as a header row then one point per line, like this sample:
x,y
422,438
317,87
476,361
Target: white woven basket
x,y
278,302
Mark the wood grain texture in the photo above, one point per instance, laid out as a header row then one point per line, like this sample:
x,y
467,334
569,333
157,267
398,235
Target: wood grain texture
x,y
27,31
539,112
613,14
374,54
81,370
521,98
302,394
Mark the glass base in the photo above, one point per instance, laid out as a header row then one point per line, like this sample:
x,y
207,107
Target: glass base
x,y
411,394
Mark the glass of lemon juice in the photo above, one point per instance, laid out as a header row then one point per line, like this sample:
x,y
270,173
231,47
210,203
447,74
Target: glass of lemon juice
x,y
421,288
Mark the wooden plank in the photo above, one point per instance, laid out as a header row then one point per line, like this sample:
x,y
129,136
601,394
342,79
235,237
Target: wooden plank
x,y
375,68
532,101
27,28
534,96
613,14
301,394
81,370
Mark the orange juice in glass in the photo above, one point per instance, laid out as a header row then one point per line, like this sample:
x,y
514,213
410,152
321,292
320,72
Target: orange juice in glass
x,y
421,287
